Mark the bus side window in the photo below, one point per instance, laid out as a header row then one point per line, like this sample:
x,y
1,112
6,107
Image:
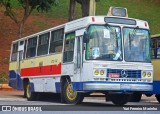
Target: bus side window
x,y
158,49
31,47
43,44
14,52
56,42
69,47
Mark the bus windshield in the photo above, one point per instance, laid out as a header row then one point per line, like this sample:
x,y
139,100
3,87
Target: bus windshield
x,y
104,43
136,45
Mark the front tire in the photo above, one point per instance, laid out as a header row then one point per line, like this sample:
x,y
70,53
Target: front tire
x,y
135,97
31,96
71,96
119,99
158,98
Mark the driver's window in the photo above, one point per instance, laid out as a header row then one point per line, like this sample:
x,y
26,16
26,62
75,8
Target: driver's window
x,y
69,47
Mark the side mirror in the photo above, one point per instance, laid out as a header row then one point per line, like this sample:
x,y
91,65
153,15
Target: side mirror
x,y
85,37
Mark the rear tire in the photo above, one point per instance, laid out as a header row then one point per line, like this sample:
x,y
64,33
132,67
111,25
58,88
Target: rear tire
x,y
158,98
119,99
70,96
31,96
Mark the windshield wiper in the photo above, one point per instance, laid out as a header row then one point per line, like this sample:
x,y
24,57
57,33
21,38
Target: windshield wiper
x,y
114,33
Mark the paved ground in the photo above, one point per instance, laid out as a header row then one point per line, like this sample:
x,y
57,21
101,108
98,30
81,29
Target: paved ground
x,y
52,102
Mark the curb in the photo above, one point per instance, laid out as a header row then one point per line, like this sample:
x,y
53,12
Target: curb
x,y
5,86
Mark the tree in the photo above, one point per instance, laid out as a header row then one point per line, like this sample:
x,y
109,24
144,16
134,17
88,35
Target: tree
x,y
84,7
27,6
71,10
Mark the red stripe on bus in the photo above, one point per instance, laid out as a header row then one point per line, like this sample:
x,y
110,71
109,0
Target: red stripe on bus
x,y
41,70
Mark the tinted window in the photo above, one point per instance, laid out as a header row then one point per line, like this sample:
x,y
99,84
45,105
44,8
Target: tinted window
x,y
155,48
14,52
69,47
43,44
31,47
56,42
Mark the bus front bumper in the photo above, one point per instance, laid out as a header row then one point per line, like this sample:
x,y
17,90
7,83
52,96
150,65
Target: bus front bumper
x,y
117,87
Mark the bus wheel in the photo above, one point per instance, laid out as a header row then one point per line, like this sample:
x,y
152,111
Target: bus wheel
x,y
31,96
119,99
135,97
71,96
158,98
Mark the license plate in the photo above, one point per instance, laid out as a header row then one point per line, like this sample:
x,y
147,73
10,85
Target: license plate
x,y
125,86
114,75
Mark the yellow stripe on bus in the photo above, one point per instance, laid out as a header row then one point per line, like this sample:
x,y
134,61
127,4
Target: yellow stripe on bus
x,y
54,59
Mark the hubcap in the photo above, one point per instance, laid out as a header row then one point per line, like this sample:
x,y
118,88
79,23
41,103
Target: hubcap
x,y
71,94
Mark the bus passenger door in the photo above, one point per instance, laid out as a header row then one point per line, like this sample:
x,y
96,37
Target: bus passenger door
x,y
78,58
72,55
19,64
14,68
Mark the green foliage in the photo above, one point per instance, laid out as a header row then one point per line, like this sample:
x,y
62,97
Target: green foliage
x,y
3,77
148,10
141,9
40,5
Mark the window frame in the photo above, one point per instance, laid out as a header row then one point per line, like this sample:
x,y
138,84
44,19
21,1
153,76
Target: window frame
x,y
34,37
38,45
124,43
155,49
16,43
52,43
74,34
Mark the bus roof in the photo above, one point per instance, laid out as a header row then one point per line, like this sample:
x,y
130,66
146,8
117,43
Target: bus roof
x,y
86,21
39,33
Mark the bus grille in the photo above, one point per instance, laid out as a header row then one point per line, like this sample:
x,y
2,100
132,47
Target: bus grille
x,y
125,73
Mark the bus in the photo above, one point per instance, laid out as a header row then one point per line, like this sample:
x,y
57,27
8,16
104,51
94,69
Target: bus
x,y
155,54
108,54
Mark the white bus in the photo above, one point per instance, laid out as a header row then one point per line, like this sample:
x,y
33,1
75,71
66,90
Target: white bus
x,y
108,54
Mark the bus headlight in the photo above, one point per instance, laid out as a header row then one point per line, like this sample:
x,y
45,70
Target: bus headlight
x,y
149,74
146,74
96,72
102,72
143,73
99,72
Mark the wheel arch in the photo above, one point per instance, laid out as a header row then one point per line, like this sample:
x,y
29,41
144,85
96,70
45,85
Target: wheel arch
x,y
25,81
63,79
